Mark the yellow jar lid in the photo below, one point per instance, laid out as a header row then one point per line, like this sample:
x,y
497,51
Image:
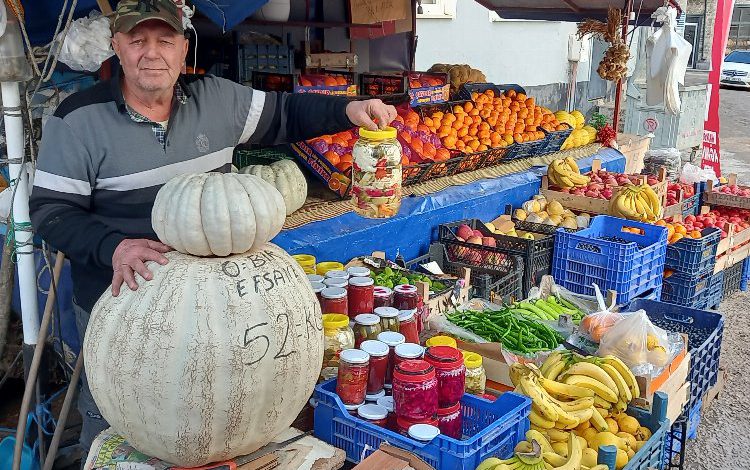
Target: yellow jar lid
x,y
334,321
324,266
387,133
441,341
305,260
472,360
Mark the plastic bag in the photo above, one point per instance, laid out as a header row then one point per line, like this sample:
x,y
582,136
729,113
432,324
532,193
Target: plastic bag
x,y
694,174
669,158
595,325
668,54
644,347
87,43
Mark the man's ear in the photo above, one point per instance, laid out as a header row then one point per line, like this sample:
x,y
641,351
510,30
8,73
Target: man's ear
x,y
116,45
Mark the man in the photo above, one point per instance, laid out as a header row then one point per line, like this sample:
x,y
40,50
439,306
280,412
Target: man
x,y
107,151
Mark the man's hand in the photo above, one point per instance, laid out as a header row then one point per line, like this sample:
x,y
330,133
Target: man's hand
x,y
364,113
130,257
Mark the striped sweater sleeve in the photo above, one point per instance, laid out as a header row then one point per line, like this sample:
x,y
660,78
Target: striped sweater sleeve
x,y
60,201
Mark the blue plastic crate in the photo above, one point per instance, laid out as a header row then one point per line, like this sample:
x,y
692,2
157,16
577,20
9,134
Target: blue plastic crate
x,y
712,298
492,429
684,289
554,140
704,329
651,294
583,258
745,274
693,257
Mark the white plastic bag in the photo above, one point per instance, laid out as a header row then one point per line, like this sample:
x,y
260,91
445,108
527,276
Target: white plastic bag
x,y
644,347
668,55
87,43
694,174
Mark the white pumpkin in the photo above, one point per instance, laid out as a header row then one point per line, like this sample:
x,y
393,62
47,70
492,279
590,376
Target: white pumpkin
x,y
285,176
209,360
217,214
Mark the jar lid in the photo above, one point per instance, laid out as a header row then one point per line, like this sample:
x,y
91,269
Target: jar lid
x,y
423,432
333,321
318,287
375,396
449,410
406,315
372,412
391,338
409,351
472,360
382,291
386,312
387,403
367,319
414,370
336,273
358,271
405,423
405,289
324,266
444,357
303,260
353,407
335,282
361,281
315,278
333,293
387,133
355,356
441,340
374,348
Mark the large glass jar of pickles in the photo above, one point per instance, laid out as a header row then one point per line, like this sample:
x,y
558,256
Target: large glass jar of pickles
x,y
376,176
338,336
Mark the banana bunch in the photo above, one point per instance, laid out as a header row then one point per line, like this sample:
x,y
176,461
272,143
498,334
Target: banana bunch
x,y
566,174
636,203
531,457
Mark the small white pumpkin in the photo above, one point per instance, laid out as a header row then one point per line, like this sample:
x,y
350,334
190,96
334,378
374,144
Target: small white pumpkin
x,y
285,176
216,214
211,359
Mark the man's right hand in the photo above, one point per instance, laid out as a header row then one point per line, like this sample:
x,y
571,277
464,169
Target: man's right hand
x,y
130,257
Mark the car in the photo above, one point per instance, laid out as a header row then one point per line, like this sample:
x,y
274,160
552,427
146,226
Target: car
x,y
736,69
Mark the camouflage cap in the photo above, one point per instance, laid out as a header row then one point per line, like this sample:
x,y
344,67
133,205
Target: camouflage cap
x,y
133,12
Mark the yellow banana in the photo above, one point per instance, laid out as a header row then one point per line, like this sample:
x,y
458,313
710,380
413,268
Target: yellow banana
x,y
604,412
575,405
565,419
532,435
557,435
600,402
554,371
592,384
540,400
575,453
625,373
584,414
566,182
552,359
554,459
591,370
597,420
540,421
572,164
619,380
565,391
620,406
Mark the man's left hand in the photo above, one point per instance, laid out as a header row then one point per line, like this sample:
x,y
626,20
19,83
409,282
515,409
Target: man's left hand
x,y
365,113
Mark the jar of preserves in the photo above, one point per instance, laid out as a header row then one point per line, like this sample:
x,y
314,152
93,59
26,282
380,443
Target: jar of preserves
x,y
441,340
318,287
334,300
476,377
374,414
307,262
366,326
376,173
403,424
337,273
315,278
407,352
450,372
358,271
383,297
336,282
360,295
450,421
323,267
392,339
378,352
423,432
415,390
352,409
351,384
407,325
388,318
387,403
374,397
337,336
405,297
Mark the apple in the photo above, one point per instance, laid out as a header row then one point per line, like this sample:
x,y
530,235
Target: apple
x,y
464,231
488,241
611,180
578,191
622,180
690,219
477,233
652,180
592,193
474,240
606,193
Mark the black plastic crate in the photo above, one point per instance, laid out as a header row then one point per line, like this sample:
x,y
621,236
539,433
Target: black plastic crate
x,y
525,150
264,58
467,89
712,298
554,140
732,280
381,84
675,443
244,156
536,254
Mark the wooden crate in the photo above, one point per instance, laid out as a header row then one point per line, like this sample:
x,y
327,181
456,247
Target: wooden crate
x,y
720,199
733,249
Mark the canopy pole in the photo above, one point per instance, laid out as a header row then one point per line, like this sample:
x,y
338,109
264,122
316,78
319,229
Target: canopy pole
x,y
618,91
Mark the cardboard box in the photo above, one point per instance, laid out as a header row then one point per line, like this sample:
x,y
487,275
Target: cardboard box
x,y
290,83
420,95
650,385
495,367
388,457
336,180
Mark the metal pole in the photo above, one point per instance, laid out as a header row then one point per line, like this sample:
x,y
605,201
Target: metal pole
x,y
618,91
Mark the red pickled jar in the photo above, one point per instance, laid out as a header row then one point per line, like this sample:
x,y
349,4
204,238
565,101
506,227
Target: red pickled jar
x,y
336,282
403,424
360,295
351,384
405,297
392,339
407,352
378,352
334,300
383,297
352,409
318,289
450,421
387,403
374,414
407,325
415,390
450,372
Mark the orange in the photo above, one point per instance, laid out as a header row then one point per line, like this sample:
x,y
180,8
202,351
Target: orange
x,y
483,134
460,145
437,115
477,120
508,138
450,117
518,138
457,109
679,228
423,128
457,125
444,129
490,93
662,223
474,112
344,166
530,102
510,93
468,106
473,130
521,97
449,141
539,135
483,126
530,128
332,157
463,132
442,155
482,148
474,145
695,234
677,237
670,229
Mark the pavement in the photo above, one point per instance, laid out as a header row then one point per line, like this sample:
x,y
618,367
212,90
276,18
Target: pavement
x,y
734,135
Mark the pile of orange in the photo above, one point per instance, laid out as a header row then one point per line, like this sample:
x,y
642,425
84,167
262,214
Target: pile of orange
x,y
489,121
426,151
676,231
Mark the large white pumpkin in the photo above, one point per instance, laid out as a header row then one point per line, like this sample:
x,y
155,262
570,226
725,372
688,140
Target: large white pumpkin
x,y
209,360
217,214
286,177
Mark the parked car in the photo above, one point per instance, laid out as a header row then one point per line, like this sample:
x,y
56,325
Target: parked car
x,y
736,69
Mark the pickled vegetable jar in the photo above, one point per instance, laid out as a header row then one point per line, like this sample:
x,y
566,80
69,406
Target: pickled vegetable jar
x,y
407,352
376,175
407,325
405,297
387,403
323,267
388,318
392,339
337,336
334,300
441,340
337,274
318,287
361,291
307,262
366,326
403,424
415,390
336,282
476,377
374,414
450,372
383,297
378,352
351,385
358,271
315,278
450,421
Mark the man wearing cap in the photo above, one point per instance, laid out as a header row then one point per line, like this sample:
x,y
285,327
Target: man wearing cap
x,y
107,150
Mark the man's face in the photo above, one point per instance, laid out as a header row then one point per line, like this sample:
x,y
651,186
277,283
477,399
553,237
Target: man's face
x,y
151,55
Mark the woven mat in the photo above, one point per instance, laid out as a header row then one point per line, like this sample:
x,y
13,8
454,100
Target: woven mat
x,y
316,209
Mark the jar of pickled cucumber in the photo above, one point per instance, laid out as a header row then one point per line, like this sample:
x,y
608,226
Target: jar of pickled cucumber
x,y
376,177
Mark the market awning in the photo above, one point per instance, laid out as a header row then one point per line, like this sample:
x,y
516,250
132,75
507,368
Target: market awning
x,y
567,10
